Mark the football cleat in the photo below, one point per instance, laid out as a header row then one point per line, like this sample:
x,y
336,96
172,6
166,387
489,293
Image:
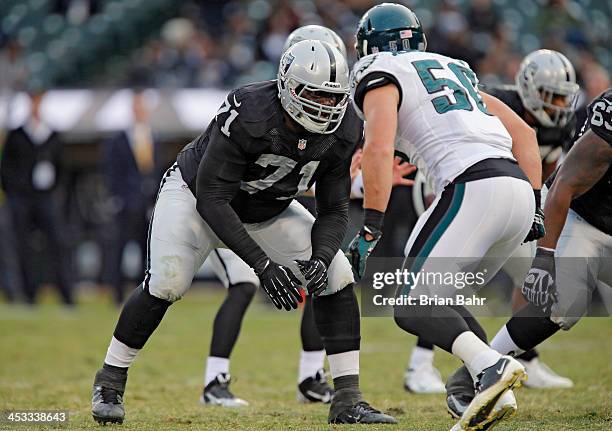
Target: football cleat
x,y
542,377
459,392
217,393
360,413
491,385
504,409
425,379
315,389
106,401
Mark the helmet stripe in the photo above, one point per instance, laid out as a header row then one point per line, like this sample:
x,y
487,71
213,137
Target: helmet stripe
x,y
332,62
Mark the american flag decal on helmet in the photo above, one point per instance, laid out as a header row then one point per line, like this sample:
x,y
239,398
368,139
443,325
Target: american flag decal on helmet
x,y
405,34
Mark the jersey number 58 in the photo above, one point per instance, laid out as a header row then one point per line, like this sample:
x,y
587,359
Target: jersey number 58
x,y
464,91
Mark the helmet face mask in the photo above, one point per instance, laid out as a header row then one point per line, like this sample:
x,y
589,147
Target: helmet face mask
x,y
389,27
546,83
313,85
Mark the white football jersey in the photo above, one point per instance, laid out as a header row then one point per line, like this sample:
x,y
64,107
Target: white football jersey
x,y
443,124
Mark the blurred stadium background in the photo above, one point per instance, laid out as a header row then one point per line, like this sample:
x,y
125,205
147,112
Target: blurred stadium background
x,y
182,55
104,65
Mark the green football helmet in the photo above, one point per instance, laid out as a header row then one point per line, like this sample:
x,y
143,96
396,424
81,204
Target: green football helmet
x,y
389,27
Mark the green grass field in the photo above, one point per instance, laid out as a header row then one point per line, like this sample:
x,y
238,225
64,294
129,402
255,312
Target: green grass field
x,y
48,357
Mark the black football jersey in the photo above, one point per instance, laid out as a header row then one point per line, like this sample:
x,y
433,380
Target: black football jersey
x,y
549,138
253,145
595,206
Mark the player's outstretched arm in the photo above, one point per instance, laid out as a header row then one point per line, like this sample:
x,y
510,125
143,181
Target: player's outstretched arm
x,y
524,140
380,113
218,181
585,164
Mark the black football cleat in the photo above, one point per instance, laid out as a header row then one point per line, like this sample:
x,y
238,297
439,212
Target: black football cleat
x,y
315,389
459,392
107,397
358,413
492,385
217,393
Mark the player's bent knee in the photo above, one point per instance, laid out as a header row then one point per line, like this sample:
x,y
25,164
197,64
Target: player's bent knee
x,y
242,292
405,320
169,288
564,322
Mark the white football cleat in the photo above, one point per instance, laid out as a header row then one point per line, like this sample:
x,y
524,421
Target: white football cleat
x,y
504,409
492,384
542,377
425,379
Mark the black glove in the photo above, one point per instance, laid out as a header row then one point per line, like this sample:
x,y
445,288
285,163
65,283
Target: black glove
x,y
539,286
281,285
315,271
537,230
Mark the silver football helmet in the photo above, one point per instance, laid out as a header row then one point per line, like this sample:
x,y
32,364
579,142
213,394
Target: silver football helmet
x,y
543,77
315,32
313,85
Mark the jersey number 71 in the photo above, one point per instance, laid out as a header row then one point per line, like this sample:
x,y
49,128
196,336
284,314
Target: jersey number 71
x,y
464,91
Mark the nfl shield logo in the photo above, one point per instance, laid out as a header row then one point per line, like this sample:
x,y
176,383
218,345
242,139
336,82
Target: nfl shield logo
x,y
301,144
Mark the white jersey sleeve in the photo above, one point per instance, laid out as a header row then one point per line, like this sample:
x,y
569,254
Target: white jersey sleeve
x,y
374,71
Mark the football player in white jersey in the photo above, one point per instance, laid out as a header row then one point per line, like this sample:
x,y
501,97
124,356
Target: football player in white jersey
x,y
427,107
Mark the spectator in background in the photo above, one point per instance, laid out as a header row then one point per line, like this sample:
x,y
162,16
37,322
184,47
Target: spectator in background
x,y
560,22
484,24
131,164
451,35
30,169
12,75
77,11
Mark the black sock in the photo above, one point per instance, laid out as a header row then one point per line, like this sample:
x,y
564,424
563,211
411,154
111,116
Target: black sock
x,y
311,340
228,320
111,377
424,344
529,355
530,326
139,318
337,319
347,392
116,370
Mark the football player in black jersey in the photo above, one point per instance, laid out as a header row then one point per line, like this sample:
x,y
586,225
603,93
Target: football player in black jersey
x,y
234,186
241,283
543,97
574,255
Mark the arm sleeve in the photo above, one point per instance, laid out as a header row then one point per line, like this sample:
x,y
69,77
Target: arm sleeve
x,y
374,80
218,181
332,196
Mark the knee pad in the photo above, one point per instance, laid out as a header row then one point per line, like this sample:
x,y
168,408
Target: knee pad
x,y
169,289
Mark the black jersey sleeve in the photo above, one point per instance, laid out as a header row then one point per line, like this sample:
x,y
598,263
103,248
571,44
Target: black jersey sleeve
x,y
600,116
332,197
218,181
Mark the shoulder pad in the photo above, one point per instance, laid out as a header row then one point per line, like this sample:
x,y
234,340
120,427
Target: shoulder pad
x,y
249,111
600,116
